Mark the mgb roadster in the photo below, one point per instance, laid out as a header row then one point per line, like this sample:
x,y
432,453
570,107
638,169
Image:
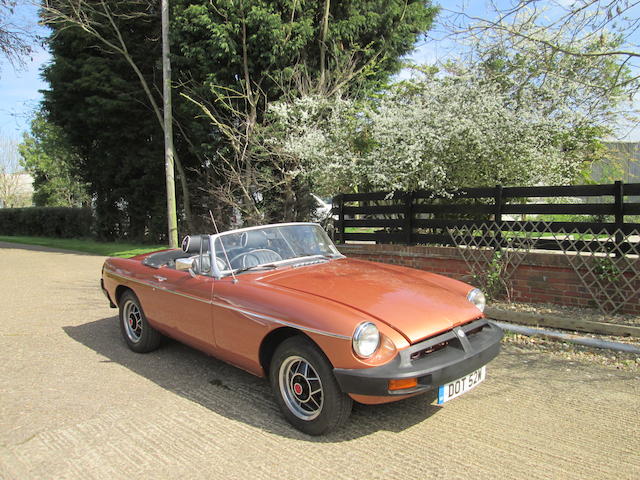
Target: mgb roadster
x,y
280,301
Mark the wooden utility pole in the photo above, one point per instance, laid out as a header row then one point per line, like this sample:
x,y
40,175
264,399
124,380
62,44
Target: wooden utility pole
x,y
172,216
323,43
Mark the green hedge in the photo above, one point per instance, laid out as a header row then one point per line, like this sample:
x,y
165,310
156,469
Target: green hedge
x,y
60,222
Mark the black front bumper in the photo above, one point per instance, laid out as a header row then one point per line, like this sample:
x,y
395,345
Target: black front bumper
x,y
454,355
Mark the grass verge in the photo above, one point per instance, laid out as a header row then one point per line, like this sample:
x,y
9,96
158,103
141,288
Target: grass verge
x,y
108,249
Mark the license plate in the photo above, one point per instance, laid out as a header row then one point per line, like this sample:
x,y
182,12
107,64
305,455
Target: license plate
x,y
462,385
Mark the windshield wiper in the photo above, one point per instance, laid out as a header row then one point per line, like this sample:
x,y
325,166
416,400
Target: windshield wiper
x,y
267,266
326,256
312,259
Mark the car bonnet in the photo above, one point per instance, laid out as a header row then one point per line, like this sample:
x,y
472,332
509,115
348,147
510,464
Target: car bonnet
x,y
416,304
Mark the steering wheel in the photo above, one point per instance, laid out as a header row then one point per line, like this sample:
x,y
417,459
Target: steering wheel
x,y
221,264
256,257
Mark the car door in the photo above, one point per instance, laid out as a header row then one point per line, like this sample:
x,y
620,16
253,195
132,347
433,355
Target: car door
x,y
185,306
238,328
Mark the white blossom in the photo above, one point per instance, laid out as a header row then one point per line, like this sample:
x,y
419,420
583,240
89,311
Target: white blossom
x,y
428,133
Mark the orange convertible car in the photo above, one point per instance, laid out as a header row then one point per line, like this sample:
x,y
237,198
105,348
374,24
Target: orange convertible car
x,y
281,301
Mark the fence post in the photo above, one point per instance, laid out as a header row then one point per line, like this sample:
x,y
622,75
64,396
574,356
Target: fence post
x,y
497,215
340,229
619,212
408,218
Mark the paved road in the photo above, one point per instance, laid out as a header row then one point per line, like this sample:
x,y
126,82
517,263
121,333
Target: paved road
x,y
76,403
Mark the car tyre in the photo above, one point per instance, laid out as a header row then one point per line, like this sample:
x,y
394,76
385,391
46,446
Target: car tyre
x,y
136,331
306,389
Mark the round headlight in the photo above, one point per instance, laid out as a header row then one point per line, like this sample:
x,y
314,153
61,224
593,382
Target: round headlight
x,y
366,339
476,297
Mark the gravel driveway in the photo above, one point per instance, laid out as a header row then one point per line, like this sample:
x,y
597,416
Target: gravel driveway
x,y
76,403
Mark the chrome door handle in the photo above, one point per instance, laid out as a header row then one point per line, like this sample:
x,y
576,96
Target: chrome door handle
x,y
159,278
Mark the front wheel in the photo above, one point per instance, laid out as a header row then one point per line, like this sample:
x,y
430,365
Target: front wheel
x,y
139,335
306,389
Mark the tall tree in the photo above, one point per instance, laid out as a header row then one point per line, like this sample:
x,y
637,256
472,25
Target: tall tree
x,y
97,98
259,46
102,21
236,57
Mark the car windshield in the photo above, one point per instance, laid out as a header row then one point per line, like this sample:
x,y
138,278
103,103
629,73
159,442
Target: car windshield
x,y
271,246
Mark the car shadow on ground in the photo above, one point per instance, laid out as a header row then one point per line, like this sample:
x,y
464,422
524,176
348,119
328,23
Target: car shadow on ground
x,y
232,392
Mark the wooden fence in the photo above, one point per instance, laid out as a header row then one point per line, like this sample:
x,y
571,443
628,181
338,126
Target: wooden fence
x,y
424,218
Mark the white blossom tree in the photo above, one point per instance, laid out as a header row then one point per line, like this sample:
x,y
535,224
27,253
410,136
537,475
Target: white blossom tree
x,y
433,133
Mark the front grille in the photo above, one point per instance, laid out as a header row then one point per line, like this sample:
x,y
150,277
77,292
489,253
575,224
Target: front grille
x,y
444,340
473,331
434,348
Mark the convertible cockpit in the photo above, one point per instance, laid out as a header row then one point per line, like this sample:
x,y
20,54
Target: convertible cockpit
x,y
245,249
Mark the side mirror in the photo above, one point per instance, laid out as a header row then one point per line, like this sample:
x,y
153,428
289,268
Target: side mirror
x,y
184,264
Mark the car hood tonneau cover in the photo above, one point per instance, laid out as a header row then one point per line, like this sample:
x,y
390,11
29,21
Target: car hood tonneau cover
x,y
417,306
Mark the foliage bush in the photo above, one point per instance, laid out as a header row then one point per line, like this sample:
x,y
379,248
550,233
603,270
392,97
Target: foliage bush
x,y
60,222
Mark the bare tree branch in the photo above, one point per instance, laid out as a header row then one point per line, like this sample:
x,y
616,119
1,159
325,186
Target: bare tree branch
x,y
585,51
15,40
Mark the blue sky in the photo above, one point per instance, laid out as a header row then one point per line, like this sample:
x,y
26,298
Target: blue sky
x,y
19,94
19,89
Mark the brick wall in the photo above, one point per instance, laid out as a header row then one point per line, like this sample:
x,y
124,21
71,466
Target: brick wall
x,y
541,278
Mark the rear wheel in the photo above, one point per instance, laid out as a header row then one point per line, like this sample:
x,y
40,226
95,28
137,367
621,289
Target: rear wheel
x,y
306,389
136,331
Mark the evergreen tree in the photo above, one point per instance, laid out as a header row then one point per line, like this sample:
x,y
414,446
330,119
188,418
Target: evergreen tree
x,y
96,98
